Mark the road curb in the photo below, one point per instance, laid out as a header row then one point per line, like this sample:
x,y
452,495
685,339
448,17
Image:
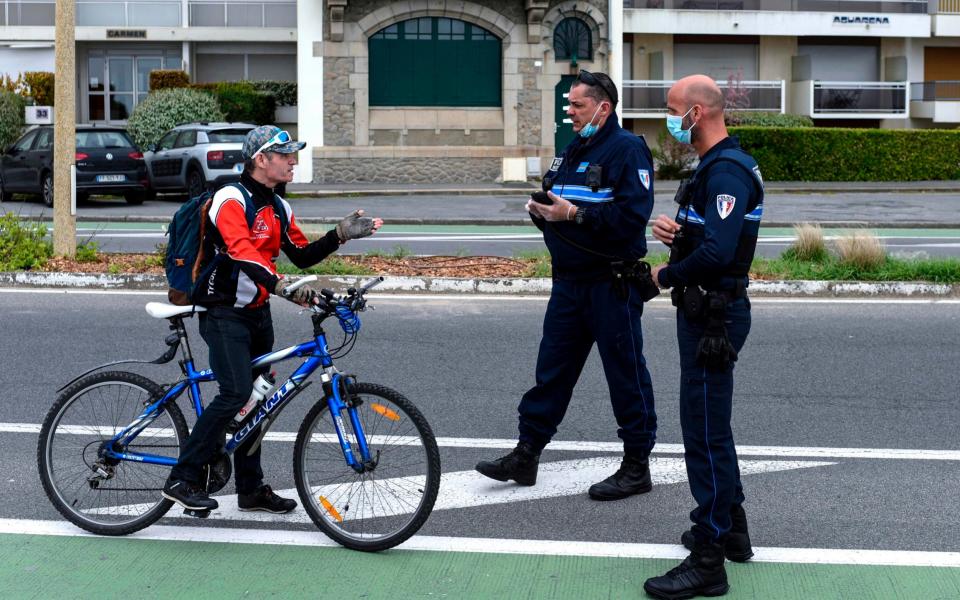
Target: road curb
x,y
494,286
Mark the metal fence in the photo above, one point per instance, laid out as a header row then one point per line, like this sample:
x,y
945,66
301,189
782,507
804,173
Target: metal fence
x,y
858,97
930,91
650,96
243,14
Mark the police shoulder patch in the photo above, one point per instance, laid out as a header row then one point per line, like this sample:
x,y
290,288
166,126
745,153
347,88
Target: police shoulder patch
x,y
725,204
557,161
644,177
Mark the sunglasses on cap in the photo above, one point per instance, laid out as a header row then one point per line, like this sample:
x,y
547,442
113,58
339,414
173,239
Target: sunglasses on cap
x,y
281,137
593,81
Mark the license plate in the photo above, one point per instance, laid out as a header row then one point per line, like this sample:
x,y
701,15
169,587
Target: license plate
x,y
110,178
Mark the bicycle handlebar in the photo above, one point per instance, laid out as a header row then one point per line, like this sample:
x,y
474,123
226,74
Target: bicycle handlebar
x,y
298,284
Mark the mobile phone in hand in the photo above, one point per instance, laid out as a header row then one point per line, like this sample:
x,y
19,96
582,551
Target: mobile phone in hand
x,y
541,198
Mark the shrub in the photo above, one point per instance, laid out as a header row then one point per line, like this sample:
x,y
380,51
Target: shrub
x,y
808,245
11,117
166,109
22,246
9,84
284,92
673,160
165,79
39,85
839,154
765,119
862,251
88,251
241,102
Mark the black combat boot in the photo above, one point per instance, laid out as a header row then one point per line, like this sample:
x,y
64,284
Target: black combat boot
x,y
736,546
700,574
520,465
633,477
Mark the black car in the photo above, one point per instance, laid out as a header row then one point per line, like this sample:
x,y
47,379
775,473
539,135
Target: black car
x,y
108,162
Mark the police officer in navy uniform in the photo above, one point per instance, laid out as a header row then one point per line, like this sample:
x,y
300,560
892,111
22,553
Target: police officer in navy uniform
x,y
712,242
599,195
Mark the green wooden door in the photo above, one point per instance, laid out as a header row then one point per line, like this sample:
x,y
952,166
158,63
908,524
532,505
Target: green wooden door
x,y
563,126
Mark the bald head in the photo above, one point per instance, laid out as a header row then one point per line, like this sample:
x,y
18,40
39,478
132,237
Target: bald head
x,y
698,99
702,90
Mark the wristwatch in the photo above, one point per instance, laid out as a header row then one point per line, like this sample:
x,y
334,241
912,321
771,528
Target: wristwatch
x,y
578,216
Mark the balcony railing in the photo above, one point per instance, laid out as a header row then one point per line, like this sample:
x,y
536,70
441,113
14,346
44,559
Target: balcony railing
x,y
243,14
857,6
948,7
27,13
649,97
934,91
858,99
123,13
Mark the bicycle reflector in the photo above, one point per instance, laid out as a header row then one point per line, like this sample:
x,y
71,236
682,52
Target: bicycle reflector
x,y
330,509
349,321
383,410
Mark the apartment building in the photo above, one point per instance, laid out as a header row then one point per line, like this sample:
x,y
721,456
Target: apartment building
x,y
474,90
877,63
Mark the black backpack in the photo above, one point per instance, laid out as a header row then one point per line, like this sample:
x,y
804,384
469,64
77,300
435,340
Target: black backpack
x,y
183,247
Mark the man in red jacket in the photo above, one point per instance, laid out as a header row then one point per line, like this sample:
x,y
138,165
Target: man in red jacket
x,y
236,276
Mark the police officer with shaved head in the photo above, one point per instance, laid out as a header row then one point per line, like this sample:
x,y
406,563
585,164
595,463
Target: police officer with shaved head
x,y
597,198
712,242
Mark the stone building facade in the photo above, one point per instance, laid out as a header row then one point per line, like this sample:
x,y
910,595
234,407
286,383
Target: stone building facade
x,y
452,144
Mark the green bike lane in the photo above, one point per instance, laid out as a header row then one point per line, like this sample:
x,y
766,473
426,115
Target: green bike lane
x,y
54,566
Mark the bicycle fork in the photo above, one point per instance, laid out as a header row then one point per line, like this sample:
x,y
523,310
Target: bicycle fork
x,y
340,399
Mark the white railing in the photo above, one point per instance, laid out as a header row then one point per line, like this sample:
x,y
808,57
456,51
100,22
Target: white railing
x,y
27,13
209,13
871,6
859,98
649,96
125,13
933,91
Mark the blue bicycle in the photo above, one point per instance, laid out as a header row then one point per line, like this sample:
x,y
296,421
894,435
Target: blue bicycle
x,y
366,463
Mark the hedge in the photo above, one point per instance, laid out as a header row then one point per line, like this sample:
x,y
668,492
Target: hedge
x,y
165,79
11,117
840,154
241,102
285,92
164,109
766,119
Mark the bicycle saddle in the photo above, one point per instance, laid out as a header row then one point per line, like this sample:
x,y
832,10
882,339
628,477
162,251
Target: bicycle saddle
x,y
162,310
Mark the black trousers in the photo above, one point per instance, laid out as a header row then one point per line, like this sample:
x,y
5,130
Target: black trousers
x,y
706,406
579,314
234,336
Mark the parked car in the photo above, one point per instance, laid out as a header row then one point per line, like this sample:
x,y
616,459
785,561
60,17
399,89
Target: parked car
x,y
197,156
108,162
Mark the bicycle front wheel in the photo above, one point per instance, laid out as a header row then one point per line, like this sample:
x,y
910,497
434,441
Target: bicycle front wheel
x,y
104,496
386,504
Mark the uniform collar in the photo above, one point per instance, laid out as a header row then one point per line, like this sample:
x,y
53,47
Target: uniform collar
x,y
724,144
608,129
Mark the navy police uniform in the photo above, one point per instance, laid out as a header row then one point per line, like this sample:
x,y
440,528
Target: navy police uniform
x,y
720,210
610,177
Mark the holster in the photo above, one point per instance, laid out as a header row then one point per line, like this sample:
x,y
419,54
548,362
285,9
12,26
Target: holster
x,y
714,351
633,273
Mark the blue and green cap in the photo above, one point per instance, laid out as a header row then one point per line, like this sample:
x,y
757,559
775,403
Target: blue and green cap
x,y
269,138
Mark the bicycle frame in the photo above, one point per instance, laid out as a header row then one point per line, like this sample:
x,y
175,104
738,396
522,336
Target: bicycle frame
x,y
317,356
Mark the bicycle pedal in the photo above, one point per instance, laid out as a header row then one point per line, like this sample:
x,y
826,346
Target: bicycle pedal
x,y
200,514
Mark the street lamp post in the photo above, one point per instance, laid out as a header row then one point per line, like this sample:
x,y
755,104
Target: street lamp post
x,y
64,131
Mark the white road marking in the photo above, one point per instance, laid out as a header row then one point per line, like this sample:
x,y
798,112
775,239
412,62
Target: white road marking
x,y
819,452
281,537
469,489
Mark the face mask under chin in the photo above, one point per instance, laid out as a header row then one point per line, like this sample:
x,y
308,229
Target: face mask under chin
x,y
589,129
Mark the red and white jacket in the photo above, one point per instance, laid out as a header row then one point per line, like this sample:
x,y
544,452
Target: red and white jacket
x,y
239,262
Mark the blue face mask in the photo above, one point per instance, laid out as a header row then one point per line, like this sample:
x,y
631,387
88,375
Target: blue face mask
x,y
590,129
675,127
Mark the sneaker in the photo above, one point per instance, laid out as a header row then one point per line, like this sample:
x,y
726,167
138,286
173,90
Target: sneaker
x,y
188,495
736,545
265,500
520,465
633,477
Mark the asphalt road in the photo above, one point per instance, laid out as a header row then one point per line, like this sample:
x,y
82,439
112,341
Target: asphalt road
x,y
869,377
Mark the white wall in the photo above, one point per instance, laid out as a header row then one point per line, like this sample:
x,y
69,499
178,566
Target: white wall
x,y
18,60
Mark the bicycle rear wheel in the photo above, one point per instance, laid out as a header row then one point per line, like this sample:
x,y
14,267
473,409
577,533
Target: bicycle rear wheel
x,y
381,507
107,497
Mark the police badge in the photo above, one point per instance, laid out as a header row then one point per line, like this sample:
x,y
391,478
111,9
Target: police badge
x,y
725,204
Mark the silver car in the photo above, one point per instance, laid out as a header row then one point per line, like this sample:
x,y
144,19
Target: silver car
x,y
195,157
